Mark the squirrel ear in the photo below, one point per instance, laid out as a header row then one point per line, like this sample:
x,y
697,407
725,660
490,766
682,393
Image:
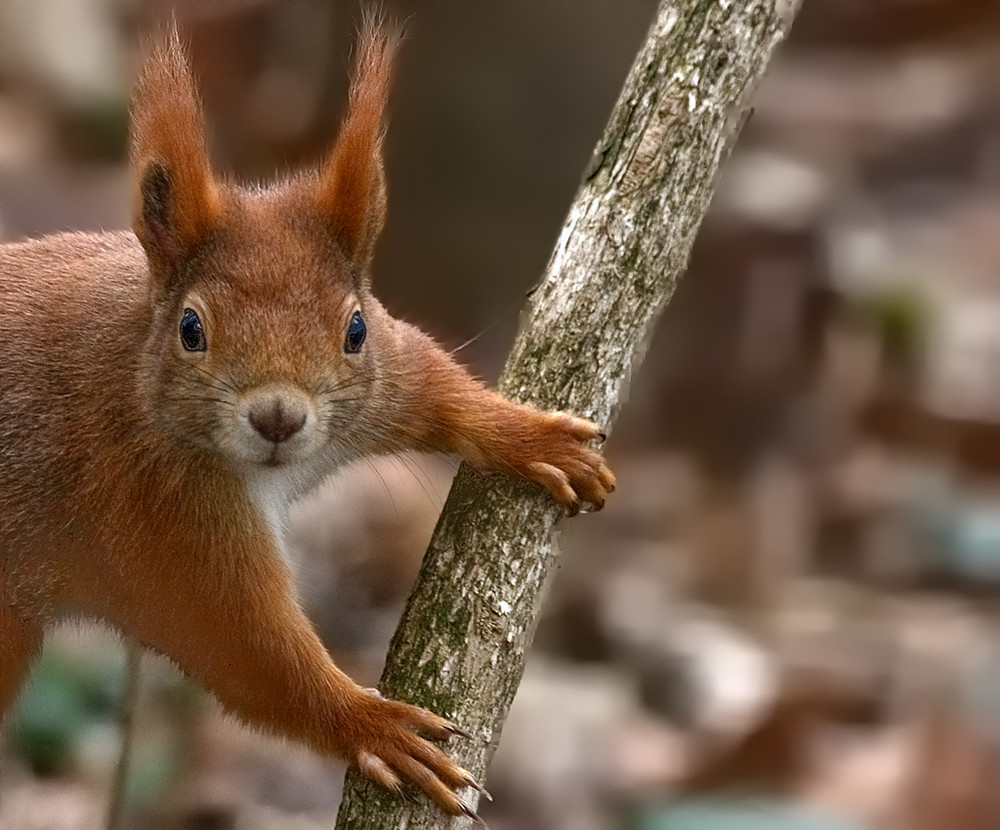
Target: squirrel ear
x,y
351,192
177,201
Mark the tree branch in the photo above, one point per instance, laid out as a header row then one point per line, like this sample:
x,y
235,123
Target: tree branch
x,y
460,647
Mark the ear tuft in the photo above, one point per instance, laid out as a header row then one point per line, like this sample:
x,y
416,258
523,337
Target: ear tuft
x,y
178,201
351,193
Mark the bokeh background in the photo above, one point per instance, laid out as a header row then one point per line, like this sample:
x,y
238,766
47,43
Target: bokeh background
x,y
785,617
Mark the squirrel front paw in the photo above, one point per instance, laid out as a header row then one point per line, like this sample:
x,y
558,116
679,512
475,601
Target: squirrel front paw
x,y
385,743
561,460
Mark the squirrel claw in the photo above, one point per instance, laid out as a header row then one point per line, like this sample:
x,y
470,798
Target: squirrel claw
x,y
479,788
467,810
456,730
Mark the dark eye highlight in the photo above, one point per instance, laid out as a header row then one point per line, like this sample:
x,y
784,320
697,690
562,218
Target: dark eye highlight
x,y
192,334
355,333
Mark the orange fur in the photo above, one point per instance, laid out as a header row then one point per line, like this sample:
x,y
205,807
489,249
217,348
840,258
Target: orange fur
x,y
352,185
139,482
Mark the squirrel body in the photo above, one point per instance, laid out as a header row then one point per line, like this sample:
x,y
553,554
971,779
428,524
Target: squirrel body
x,y
164,394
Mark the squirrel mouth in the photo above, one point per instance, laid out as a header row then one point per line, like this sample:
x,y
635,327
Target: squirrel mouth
x,y
274,459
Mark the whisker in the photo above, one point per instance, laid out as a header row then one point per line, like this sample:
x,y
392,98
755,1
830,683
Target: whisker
x,y
420,476
473,339
203,399
223,383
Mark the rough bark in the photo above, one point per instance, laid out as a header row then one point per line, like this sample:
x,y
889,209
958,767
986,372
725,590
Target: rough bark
x,y
460,647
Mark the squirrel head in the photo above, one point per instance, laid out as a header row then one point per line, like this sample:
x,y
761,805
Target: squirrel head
x,y
261,343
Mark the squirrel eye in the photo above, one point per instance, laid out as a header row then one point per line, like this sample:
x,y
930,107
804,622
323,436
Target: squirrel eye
x,y
355,333
192,335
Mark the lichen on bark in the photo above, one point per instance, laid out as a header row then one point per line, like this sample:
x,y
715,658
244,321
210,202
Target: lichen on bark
x,y
460,647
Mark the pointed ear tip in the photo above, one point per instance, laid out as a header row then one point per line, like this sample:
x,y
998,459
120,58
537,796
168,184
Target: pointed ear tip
x,y
379,31
164,49
165,83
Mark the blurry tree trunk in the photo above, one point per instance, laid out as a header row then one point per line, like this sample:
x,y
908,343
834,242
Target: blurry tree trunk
x,y
130,704
460,647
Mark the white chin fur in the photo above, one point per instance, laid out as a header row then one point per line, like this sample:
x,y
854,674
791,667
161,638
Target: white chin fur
x,y
273,487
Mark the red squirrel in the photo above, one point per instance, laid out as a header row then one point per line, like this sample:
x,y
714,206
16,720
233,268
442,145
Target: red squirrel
x,y
164,394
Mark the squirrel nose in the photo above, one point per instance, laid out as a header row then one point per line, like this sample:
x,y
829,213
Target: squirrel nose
x,y
277,420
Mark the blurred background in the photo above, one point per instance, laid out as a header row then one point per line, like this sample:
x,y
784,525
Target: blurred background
x,y
786,615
